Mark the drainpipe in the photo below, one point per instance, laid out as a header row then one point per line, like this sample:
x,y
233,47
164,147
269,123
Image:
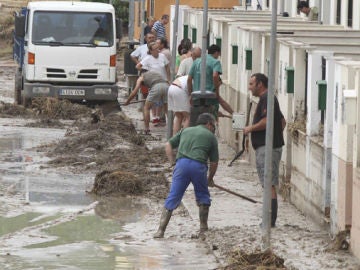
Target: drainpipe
x,y
320,11
282,6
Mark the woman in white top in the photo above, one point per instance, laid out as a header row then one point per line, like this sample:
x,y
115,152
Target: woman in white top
x,y
155,61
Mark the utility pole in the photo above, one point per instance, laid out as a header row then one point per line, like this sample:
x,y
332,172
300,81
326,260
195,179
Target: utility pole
x,y
131,19
173,62
269,133
142,21
203,49
201,97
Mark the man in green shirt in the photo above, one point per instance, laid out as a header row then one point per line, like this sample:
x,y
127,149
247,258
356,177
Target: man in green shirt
x,y
196,145
212,81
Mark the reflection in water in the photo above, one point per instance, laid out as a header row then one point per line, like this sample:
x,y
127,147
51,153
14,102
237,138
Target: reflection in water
x,y
86,241
120,208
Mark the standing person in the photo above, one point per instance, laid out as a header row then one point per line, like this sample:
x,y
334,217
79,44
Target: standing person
x,y
186,64
258,85
213,81
178,102
164,47
142,51
149,25
310,12
155,61
158,28
196,145
184,51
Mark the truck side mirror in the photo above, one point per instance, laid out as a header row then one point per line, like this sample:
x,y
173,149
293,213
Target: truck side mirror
x,y
20,26
118,28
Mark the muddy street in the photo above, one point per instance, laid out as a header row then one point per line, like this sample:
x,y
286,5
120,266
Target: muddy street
x,y
81,188
58,206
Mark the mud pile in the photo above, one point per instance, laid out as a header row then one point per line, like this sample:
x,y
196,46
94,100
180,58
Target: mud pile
x,y
106,144
123,182
54,108
8,110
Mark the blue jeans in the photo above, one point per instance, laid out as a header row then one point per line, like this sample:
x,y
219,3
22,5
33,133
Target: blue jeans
x,y
186,171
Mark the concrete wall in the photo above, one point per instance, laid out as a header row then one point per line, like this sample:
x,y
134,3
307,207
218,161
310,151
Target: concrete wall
x,y
355,228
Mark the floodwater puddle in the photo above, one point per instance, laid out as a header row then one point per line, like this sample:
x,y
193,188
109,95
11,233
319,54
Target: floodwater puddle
x,y
49,221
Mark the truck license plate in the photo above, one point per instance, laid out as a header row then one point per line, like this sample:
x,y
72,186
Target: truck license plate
x,y
72,92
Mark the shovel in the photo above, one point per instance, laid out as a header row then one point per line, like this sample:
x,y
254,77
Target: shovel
x,y
136,101
236,194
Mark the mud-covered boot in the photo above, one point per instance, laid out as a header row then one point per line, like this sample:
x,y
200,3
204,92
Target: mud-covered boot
x,y
274,210
164,220
203,215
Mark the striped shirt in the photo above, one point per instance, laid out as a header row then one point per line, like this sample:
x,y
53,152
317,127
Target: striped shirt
x,y
160,29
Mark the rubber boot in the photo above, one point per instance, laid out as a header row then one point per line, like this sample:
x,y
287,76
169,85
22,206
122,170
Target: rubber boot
x,y
164,220
274,210
203,214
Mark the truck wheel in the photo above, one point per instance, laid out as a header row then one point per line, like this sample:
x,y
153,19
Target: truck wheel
x,y
18,87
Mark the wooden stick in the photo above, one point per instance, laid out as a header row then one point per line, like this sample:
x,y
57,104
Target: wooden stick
x,y
236,194
136,101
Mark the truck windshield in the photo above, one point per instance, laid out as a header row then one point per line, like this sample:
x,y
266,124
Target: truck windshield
x,y
72,28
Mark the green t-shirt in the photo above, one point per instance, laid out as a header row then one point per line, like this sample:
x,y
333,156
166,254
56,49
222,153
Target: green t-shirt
x,y
212,65
197,143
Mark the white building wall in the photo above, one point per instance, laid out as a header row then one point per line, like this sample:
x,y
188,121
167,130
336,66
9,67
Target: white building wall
x,y
314,75
182,18
356,15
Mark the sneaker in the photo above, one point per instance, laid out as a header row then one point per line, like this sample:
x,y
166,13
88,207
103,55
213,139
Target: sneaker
x,y
155,121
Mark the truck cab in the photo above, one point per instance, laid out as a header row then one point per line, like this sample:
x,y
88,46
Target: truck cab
x,y
66,50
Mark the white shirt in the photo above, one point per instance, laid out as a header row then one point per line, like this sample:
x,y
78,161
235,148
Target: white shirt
x,y
184,67
156,64
140,52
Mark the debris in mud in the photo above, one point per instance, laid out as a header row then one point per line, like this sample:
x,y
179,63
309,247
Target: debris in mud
x,y
341,241
12,110
59,108
110,146
107,182
46,122
240,260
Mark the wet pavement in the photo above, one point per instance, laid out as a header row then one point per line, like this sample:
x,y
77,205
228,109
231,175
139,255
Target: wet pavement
x,y
49,221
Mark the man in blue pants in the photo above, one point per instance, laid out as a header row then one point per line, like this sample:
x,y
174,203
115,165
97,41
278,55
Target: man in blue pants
x,y
196,146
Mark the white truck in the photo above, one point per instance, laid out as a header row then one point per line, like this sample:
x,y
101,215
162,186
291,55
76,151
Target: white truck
x,y
66,50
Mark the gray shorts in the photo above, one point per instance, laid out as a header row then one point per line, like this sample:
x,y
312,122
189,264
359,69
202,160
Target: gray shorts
x,y
260,164
158,93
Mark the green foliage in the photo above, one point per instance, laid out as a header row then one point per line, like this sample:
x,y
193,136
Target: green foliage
x,y
121,8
